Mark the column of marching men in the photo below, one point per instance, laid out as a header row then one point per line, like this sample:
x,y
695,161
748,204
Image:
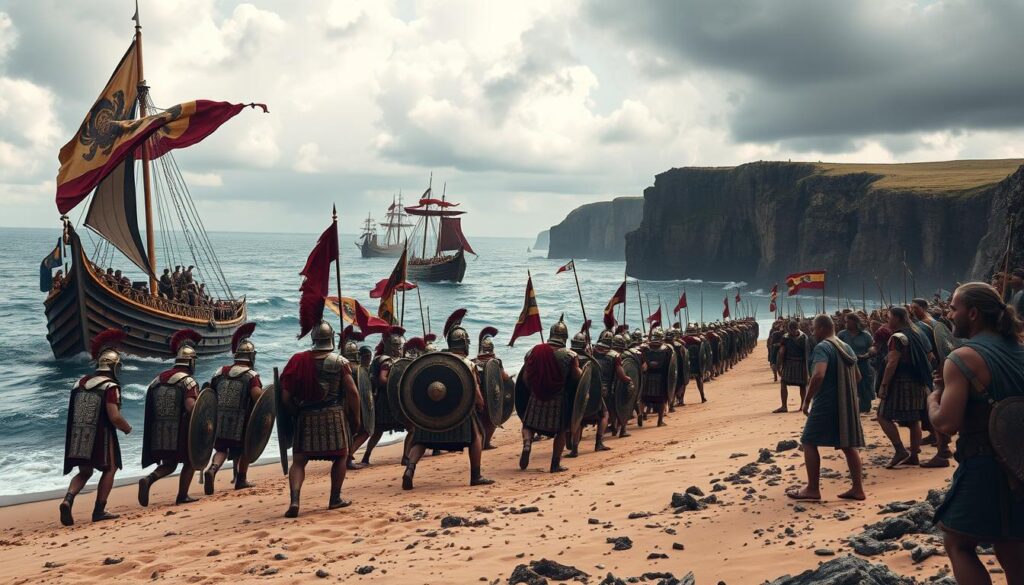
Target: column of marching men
x,y
327,404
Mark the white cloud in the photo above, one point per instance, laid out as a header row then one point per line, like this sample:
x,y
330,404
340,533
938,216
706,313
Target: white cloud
x,y
203,179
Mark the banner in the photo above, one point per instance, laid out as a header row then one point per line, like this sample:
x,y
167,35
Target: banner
x,y
529,318
814,280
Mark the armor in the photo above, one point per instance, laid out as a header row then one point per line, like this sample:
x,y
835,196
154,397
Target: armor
x,y
323,336
660,370
351,351
109,362
234,402
395,343
487,341
605,339
657,335
165,410
579,342
619,343
242,346
559,333
637,337
322,430
458,339
88,424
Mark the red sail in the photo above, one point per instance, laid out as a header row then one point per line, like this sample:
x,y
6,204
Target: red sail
x,y
451,237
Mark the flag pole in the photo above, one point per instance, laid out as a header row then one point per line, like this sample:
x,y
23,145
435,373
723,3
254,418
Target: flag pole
x,y
686,311
640,301
823,309
428,321
419,298
337,266
580,293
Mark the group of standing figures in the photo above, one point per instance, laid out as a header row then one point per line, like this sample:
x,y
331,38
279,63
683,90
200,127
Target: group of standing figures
x,y
326,405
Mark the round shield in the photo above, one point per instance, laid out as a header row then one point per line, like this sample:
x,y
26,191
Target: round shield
x,y
672,374
522,394
1006,430
260,425
945,343
626,394
590,377
594,402
508,400
202,426
684,365
437,391
366,403
394,389
492,385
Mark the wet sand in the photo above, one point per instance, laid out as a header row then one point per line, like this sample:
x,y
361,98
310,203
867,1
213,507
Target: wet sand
x,y
391,536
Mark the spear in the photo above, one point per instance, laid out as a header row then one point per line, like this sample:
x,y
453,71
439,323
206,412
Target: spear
x,y
640,301
580,293
419,299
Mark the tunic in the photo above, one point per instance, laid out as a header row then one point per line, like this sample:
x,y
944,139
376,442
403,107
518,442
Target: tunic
x,y
794,370
551,417
91,439
822,428
861,343
656,389
321,430
907,397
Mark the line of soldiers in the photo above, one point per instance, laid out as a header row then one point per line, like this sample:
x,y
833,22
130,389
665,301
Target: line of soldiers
x,y
324,397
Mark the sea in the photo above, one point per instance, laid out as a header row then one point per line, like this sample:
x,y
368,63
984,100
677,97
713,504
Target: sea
x,y
34,387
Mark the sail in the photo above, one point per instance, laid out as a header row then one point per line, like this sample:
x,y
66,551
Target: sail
x,y
451,237
112,214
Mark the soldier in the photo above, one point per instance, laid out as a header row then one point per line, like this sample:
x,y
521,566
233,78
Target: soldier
x,y
365,356
793,356
384,416
348,341
618,346
237,388
610,367
548,368
774,343
484,355
657,358
94,417
318,384
694,345
169,402
467,433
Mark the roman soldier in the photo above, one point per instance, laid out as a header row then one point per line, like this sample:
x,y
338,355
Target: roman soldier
x,y
548,368
237,387
618,347
610,367
657,357
793,355
318,386
673,338
485,353
380,370
94,417
694,344
468,432
169,402
348,341
774,344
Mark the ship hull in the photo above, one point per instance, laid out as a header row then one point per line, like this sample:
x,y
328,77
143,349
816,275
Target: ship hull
x,y
371,250
451,269
85,306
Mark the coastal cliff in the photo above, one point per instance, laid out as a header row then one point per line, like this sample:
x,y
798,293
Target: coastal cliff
x,y
542,241
597,230
764,220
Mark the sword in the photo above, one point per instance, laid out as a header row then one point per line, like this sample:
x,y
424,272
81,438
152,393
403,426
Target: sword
x,y
282,448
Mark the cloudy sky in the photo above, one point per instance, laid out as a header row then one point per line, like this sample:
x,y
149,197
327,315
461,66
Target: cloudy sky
x,y
526,109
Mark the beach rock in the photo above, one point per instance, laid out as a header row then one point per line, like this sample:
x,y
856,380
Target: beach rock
x,y
456,521
52,565
678,546
280,557
935,497
525,510
695,491
869,547
737,455
322,574
719,487
610,579
749,470
654,556
896,507
686,502
848,570
787,445
555,571
523,574
365,569
620,542
825,552
269,571
922,553
765,456
213,553
712,499
638,515
113,560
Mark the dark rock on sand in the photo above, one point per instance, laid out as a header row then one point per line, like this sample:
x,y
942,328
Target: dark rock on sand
x,y
620,542
694,490
523,574
922,553
365,569
113,560
845,571
556,571
787,445
686,502
869,547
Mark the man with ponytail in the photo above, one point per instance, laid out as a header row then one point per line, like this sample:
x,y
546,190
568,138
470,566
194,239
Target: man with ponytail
x,y
985,502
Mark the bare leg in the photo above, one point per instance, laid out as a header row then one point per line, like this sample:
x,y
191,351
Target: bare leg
x,y
106,483
488,435
856,491
574,445
162,471
357,441
784,394
803,393
76,485
415,454
812,461
915,443
338,468
1011,559
374,439
892,432
210,475
963,555
524,458
556,453
296,476
661,415
602,426
476,449
184,482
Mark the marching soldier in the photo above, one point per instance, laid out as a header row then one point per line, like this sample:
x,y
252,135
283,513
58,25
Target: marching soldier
x,y
694,344
618,346
380,370
484,355
657,358
169,402
237,387
793,356
468,432
611,369
548,368
94,417
318,385
348,341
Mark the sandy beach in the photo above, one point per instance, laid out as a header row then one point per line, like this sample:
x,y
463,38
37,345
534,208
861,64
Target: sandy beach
x,y
753,534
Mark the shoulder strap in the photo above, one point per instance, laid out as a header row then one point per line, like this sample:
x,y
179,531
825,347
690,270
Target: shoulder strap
x,y
969,374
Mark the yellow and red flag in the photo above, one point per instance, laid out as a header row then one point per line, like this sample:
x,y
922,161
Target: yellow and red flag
x,y
529,318
386,310
814,280
772,297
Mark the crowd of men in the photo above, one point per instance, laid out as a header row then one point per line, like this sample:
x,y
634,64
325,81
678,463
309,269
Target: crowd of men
x,y
945,368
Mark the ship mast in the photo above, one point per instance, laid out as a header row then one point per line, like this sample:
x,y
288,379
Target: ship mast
x,y
148,197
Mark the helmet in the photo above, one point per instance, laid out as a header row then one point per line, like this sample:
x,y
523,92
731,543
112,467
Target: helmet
x,y
637,335
559,333
323,336
458,339
487,341
579,341
658,335
183,346
619,343
104,352
351,351
605,339
242,346
394,341
414,347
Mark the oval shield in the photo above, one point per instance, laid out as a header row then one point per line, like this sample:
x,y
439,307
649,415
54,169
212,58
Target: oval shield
x,y
366,404
594,402
705,357
1006,429
438,391
626,394
590,377
260,425
522,394
684,365
398,368
672,374
202,427
508,400
945,343
492,385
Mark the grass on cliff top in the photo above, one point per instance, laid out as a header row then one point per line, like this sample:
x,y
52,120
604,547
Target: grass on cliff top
x,y
954,175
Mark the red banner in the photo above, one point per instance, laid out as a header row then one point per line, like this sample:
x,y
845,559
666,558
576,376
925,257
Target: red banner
x,y
315,285
681,304
529,318
568,266
725,311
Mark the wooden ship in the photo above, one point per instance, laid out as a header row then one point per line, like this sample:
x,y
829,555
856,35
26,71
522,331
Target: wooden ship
x,y
395,230
87,301
437,246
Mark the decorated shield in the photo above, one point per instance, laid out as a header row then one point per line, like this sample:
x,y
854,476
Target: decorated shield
x,y
522,394
508,398
492,385
437,391
1006,430
366,403
394,389
260,425
626,394
590,377
202,427
945,343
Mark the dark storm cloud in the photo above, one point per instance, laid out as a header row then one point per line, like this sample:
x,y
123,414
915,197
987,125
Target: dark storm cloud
x,y
827,71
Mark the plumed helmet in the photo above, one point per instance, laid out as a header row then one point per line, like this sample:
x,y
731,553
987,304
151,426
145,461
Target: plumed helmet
x,y
487,341
183,345
242,346
658,335
104,352
394,341
559,333
414,347
619,342
430,343
454,334
322,336
605,339
579,341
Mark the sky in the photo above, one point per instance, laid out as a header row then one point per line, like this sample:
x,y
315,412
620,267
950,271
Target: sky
x,y
523,110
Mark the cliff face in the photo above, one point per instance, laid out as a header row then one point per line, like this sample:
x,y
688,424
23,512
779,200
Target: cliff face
x,y
597,230
543,239
767,219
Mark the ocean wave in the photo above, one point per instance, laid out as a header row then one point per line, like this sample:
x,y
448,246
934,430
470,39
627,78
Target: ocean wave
x,y
288,318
